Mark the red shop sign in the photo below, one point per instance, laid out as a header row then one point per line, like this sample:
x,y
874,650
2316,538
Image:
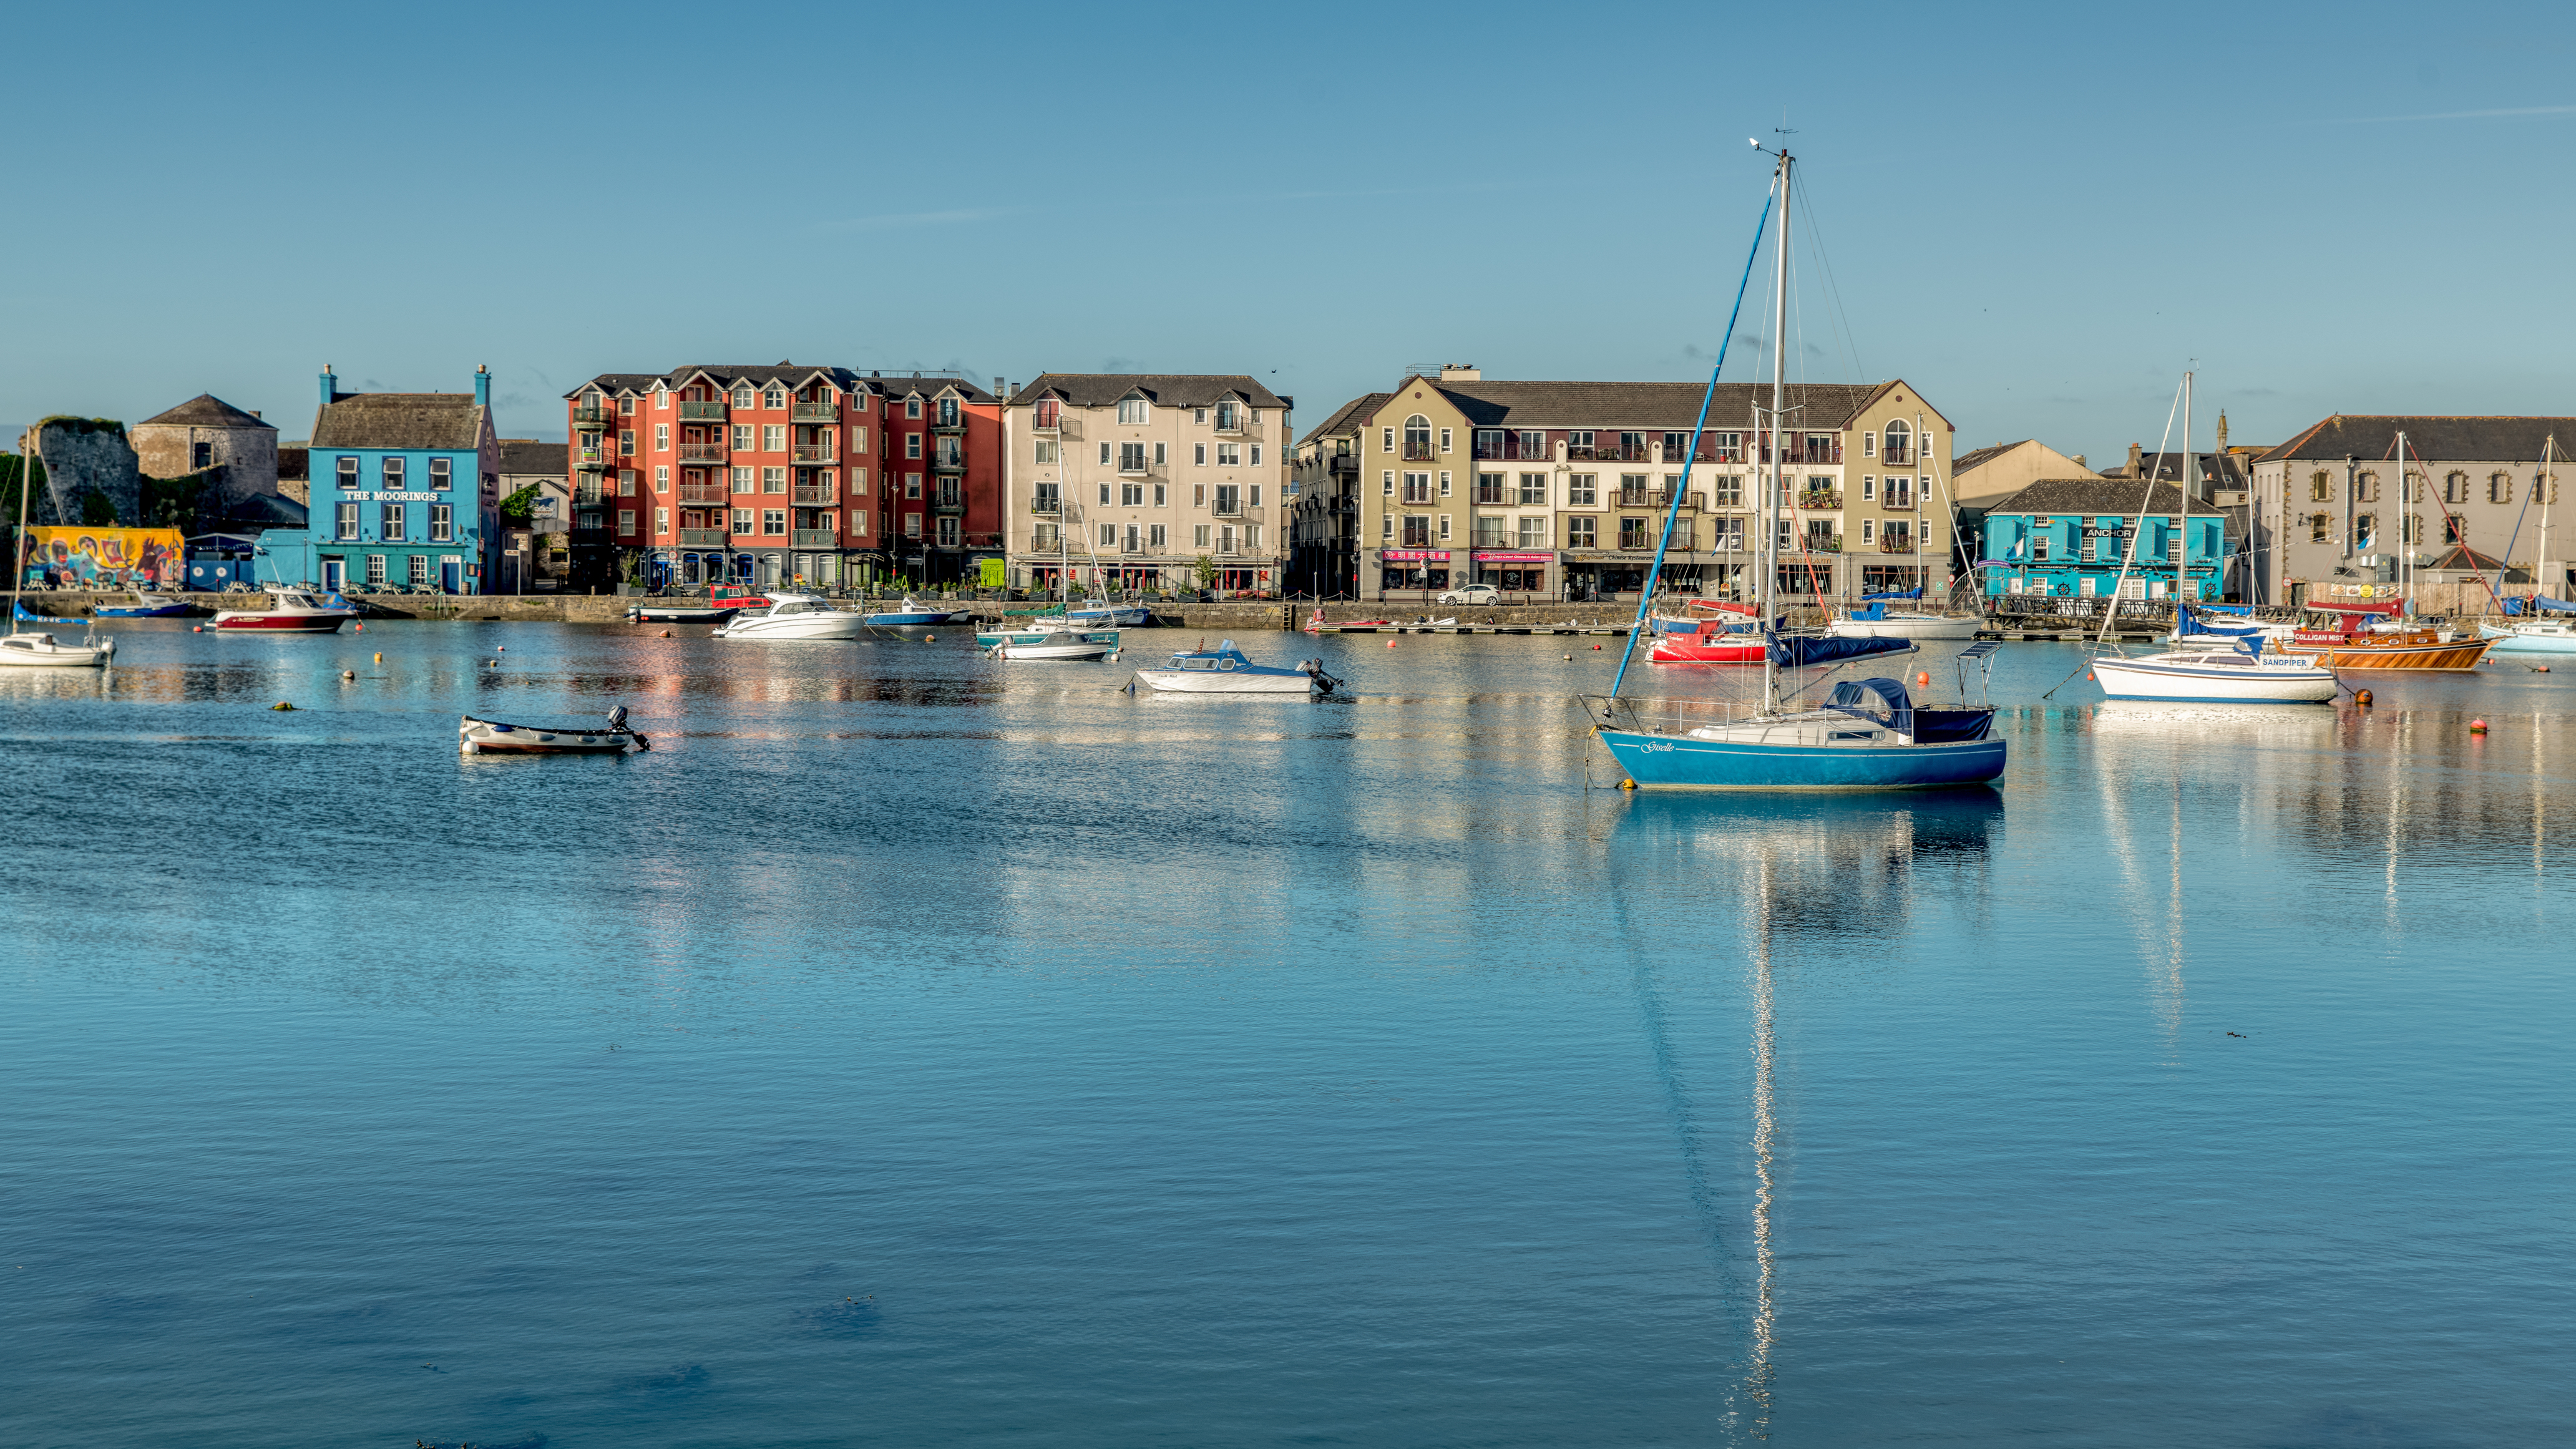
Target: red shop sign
x,y
1415,555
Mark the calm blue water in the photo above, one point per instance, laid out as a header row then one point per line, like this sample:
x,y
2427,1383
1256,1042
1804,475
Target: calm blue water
x,y
917,1050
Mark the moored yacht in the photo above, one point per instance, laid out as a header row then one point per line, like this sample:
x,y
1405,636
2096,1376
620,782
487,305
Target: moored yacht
x,y
2232,675
795,616
294,612
1225,670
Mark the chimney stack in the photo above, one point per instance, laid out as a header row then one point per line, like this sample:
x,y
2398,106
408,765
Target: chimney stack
x,y
330,386
2137,462
482,387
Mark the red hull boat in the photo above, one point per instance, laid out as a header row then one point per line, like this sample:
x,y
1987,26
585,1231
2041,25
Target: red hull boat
x,y
294,613
1709,644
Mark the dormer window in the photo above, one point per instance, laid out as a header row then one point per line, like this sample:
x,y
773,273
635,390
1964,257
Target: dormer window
x,y
626,406
1134,411
1050,414
948,412
742,396
912,406
661,399
775,398
1229,416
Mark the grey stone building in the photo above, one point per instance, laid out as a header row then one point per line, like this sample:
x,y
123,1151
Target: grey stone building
x,y
84,457
233,450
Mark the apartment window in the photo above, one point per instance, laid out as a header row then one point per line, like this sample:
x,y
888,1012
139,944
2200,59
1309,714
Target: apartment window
x,y
391,470
1104,455
1162,455
626,442
1229,500
1489,488
1582,490
1049,452
1198,454
1198,415
1417,439
1579,443
1682,535
1632,533
661,477
1582,532
1385,527
442,523
773,480
1533,532
661,521
742,520
1135,411
1444,528
1868,531
1199,536
2365,489
743,480
348,471
912,445
1417,487
661,399
344,518
661,437
1155,535
1444,482
389,522
912,525
1386,484
1161,495
1047,499
1533,490
912,409
1256,455
1868,444
1131,495
1229,455
742,437
858,482
1868,487
859,438
625,482
1131,457
1047,535
1534,443
2365,530
1444,440
2455,488
773,438
2321,488
626,406
626,520
2039,542
1488,530
1726,533
774,398
2500,488
439,472
1417,530
948,533
1104,494
2451,530
858,524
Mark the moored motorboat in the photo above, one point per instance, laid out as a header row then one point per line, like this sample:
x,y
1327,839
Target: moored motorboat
x,y
1316,623
491,737
683,613
1879,622
2226,675
1063,642
795,616
148,606
42,651
913,614
294,612
1105,616
1225,670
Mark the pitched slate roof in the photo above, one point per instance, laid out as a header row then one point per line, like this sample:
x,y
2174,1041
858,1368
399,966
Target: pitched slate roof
x,y
2227,469
2097,496
900,385
1352,414
524,455
206,410
1650,405
1163,389
1979,457
726,374
400,420
2483,439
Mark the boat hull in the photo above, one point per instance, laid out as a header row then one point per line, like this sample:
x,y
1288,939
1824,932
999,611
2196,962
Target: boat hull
x,y
796,626
2136,680
1129,617
264,623
2357,652
681,616
1680,762
1919,627
1230,681
1730,649
2509,641
39,651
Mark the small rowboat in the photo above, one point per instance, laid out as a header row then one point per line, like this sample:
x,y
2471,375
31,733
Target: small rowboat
x,y
491,737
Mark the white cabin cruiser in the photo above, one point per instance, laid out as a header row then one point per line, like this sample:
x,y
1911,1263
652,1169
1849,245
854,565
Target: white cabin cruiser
x,y
795,616
2217,676
40,651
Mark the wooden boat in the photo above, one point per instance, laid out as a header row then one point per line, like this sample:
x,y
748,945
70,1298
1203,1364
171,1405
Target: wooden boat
x,y
2387,648
491,737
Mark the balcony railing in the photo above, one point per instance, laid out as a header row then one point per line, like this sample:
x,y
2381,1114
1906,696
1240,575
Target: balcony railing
x,y
1896,454
1131,468
1226,424
1047,506
1897,501
592,460
1040,540
1821,498
593,417
1609,453
815,453
704,452
1420,453
587,495
1893,542
816,538
701,494
946,464
814,412
1344,466
702,538
702,412
814,495
954,429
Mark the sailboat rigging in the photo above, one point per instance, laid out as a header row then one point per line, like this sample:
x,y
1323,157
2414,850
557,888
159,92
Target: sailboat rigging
x,y
40,651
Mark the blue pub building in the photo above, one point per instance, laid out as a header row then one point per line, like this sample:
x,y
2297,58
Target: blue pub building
x,y
2067,538
405,493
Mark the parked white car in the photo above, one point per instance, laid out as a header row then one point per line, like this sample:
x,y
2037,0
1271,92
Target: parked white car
x,y
1473,594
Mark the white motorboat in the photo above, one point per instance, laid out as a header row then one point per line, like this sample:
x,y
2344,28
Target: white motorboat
x,y
912,615
40,651
1225,670
1053,640
2217,676
1125,616
795,616
1917,626
294,612
2539,637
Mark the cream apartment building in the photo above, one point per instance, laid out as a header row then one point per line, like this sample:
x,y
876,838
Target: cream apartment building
x,y
1560,489
1147,474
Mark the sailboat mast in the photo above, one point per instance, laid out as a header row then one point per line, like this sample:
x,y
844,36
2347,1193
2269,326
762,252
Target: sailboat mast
x,y
18,540
2405,586
2548,447
2190,460
1779,447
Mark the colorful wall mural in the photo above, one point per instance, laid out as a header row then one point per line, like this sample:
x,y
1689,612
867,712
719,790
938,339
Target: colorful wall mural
x,y
106,558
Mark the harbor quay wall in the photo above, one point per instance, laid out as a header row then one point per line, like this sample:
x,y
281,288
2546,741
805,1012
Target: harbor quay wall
x,y
1235,617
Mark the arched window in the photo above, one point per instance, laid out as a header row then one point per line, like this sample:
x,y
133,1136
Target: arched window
x,y
1417,439
1899,444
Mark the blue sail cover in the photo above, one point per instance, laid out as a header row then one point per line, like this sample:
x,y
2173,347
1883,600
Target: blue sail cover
x,y
1885,700
1915,592
2552,606
1792,651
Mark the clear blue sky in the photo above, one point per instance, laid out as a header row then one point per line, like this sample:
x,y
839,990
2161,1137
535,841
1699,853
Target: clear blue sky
x,y
2038,214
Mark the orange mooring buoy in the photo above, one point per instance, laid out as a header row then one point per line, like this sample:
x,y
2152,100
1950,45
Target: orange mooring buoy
x,y
2361,697
1390,643
1923,679
2477,727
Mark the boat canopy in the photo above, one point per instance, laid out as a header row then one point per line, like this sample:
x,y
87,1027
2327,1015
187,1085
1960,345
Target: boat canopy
x,y
1915,592
1792,651
2540,604
2387,606
1855,695
2205,627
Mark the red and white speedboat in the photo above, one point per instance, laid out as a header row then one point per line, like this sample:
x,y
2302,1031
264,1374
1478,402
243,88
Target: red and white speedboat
x,y
293,613
1711,643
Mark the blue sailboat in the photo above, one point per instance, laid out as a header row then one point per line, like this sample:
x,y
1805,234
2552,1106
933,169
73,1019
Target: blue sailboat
x,y
1869,735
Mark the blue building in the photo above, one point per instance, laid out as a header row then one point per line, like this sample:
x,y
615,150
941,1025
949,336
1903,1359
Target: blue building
x,y
2068,538
405,493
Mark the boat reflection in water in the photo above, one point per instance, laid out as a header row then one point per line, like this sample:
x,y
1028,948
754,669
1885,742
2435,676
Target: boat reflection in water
x,y
1820,870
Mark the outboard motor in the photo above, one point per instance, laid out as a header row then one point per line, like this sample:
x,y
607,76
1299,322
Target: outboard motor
x,y
1323,682
617,726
